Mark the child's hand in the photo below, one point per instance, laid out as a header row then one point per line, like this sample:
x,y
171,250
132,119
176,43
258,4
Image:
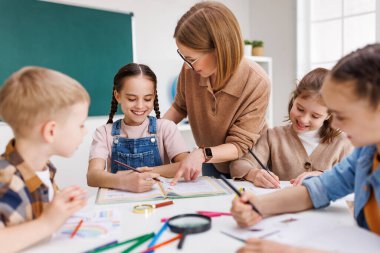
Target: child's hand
x,y
260,245
301,177
261,178
137,182
64,204
242,212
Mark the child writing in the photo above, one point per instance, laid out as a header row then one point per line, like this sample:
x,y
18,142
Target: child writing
x,y
305,147
352,93
138,140
43,107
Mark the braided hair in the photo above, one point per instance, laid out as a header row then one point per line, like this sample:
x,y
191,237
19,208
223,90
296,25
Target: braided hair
x,y
132,69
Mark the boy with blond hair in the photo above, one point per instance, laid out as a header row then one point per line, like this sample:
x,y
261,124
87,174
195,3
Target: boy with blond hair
x,y
46,111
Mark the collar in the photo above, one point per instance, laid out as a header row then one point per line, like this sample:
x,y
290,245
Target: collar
x,y
32,181
237,82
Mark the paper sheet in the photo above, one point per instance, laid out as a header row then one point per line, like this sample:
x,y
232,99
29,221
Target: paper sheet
x,y
348,239
289,228
96,223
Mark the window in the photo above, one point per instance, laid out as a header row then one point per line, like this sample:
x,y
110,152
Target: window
x,y
329,29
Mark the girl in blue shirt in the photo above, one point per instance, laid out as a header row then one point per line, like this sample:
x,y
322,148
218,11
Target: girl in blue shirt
x,y
352,93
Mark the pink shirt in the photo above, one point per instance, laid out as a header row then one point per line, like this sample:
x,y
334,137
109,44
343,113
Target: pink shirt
x,y
170,140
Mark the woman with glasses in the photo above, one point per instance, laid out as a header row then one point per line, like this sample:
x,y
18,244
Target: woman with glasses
x,y
224,96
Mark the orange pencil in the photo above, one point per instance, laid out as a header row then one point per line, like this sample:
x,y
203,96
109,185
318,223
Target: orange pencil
x,y
162,244
76,229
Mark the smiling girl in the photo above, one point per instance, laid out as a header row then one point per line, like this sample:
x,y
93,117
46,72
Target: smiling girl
x,y
305,147
138,140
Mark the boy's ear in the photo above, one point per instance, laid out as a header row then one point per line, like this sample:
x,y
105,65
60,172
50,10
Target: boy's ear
x,y
49,131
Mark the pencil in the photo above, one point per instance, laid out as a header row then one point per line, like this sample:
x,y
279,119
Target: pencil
x,y
155,238
76,229
261,164
163,243
134,169
101,247
238,193
233,236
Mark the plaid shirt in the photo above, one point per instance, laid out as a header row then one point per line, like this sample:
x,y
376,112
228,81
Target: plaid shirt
x,y
22,193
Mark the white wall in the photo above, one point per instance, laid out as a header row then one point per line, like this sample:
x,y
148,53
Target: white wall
x,y
275,22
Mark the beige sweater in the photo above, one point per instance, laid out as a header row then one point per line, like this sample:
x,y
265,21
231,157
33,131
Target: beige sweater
x,y
283,152
235,114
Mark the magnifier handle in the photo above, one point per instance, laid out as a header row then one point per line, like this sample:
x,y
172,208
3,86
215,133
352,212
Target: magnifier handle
x,y
182,240
164,204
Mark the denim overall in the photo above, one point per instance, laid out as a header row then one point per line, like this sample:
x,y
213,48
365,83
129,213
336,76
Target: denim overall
x,y
137,152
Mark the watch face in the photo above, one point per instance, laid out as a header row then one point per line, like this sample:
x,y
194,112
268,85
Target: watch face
x,y
208,152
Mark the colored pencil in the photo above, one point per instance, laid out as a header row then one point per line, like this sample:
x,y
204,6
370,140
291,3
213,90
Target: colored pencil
x,y
141,238
159,233
134,169
101,247
76,229
163,243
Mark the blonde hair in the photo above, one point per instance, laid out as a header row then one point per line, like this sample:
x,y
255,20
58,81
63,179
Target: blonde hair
x,y
210,26
35,94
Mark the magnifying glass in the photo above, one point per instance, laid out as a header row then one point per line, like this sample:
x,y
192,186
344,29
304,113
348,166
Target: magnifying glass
x,y
186,224
148,208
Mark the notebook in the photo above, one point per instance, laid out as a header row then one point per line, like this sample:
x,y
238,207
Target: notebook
x,y
202,187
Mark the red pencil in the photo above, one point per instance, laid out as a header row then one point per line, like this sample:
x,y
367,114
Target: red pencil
x,y
163,243
76,229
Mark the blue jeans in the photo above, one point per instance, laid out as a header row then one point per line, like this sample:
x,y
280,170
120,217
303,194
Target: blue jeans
x,y
208,169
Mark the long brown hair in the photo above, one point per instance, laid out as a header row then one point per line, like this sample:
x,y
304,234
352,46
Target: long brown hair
x,y
129,70
310,86
210,26
363,67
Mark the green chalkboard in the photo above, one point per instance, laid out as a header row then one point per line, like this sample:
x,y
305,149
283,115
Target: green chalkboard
x,y
89,45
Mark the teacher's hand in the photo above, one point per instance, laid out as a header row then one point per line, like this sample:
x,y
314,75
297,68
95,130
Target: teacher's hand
x,y
190,167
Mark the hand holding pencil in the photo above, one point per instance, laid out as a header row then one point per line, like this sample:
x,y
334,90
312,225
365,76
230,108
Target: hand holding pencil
x,y
264,178
244,214
64,204
136,182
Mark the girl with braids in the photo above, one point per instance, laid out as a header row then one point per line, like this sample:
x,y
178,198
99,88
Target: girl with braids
x,y
351,91
138,140
305,147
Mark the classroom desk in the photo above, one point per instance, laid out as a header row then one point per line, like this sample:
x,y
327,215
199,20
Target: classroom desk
x,y
133,225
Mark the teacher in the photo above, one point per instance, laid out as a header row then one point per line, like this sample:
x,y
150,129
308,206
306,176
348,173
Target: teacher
x,y
224,96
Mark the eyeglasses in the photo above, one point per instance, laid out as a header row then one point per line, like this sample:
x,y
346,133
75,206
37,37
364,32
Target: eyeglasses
x,y
189,63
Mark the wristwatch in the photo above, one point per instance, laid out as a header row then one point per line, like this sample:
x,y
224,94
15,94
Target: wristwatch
x,y
207,152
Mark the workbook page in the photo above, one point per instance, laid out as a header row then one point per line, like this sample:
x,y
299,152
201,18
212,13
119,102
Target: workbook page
x,y
108,196
203,186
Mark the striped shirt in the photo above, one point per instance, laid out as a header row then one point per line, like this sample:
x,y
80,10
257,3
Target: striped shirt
x,y
22,193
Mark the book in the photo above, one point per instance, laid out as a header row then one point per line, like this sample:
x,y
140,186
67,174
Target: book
x,y
202,187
